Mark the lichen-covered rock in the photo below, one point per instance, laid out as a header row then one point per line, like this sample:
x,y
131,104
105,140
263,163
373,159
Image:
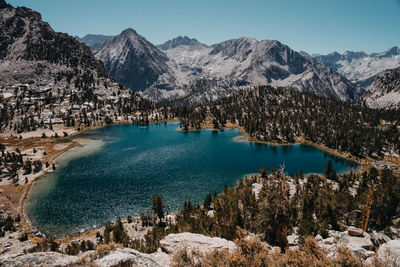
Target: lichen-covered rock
x,y
173,242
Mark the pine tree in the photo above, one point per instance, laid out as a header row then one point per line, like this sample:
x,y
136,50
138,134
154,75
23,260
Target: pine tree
x,y
329,172
158,206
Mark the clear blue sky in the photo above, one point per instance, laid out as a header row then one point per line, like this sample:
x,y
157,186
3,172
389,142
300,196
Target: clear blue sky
x,y
315,26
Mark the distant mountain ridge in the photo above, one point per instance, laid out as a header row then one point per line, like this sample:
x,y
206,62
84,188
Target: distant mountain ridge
x,y
177,41
186,69
94,40
360,67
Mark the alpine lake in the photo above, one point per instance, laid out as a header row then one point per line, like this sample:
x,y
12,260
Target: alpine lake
x,y
122,167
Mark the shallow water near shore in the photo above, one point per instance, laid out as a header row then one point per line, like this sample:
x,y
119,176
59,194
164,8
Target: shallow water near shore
x,y
120,168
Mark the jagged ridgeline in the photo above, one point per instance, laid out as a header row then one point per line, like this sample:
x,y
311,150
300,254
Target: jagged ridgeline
x,y
187,70
285,116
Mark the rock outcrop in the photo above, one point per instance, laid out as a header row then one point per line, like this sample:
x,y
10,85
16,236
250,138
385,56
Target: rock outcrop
x,y
130,257
361,245
38,259
190,241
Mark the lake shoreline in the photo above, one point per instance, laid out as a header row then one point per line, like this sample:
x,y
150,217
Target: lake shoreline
x,y
17,196
245,137
81,145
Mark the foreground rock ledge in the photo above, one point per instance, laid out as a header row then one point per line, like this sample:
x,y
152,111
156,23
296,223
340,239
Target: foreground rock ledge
x,y
162,257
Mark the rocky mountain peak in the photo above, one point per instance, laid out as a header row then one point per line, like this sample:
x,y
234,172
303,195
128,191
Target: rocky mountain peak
x,y
129,32
132,60
394,51
350,55
178,41
234,47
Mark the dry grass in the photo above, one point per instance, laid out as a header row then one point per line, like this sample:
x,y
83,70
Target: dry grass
x,y
104,249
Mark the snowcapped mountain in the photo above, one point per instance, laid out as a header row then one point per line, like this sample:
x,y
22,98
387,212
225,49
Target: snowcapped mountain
x,y
94,40
360,67
384,92
196,73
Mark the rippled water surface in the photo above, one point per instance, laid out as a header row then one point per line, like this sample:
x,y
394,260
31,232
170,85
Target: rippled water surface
x,y
123,166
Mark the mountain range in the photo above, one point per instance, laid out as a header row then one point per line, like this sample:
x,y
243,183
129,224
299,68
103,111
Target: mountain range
x,y
185,69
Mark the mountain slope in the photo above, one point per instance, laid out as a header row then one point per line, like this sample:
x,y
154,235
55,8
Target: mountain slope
x,y
384,92
244,62
94,40
360,67
194,73
30,50
134,61
50,78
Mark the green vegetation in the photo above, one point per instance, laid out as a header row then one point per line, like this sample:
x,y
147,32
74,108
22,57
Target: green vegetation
x,y
314,205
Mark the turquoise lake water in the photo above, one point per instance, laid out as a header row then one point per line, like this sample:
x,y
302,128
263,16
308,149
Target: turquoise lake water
x,y
128,164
